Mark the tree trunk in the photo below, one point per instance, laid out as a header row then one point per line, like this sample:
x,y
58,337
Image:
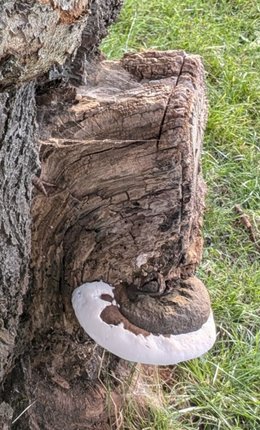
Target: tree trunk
x,y
36,39
122,200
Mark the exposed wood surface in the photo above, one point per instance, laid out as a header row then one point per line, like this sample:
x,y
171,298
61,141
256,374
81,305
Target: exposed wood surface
x,y
133,192
122,154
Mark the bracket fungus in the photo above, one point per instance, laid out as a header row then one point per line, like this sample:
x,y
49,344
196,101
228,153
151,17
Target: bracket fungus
x,y
169,329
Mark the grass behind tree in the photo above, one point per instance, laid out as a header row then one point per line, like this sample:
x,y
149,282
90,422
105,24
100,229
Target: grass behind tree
x,y
221,389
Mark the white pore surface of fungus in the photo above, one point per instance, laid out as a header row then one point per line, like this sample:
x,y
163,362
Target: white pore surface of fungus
x,y
152,349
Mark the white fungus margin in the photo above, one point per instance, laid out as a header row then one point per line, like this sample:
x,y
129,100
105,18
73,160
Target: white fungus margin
x,y
152,349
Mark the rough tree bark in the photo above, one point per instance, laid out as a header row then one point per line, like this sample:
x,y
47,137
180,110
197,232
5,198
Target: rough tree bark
x,y
120,145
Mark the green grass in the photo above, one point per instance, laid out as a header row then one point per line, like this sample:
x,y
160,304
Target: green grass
x,y
220,390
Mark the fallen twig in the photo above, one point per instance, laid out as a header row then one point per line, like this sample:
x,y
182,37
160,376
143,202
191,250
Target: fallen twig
x,y
26,409
245,221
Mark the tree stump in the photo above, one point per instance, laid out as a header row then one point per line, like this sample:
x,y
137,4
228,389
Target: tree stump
x,y
124,199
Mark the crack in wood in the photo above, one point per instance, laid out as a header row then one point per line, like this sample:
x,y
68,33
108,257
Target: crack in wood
x,y
168,102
